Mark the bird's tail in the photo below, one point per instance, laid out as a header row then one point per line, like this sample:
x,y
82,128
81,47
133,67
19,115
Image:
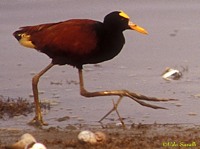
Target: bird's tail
x,y
18,34
23,38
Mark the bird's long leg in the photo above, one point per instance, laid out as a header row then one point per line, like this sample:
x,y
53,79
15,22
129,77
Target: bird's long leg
x,y
121,93
115,105
37,120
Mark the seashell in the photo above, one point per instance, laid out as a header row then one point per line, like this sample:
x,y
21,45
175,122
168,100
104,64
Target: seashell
x,y
24,140
87,137
36,146
100,136
171,74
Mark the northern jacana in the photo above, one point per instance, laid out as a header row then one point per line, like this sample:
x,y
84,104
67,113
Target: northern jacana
x,y
78,42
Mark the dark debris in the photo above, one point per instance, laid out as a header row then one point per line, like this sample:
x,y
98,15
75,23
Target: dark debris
x,y
11,107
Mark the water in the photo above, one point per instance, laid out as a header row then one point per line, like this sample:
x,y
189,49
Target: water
x,y
173,41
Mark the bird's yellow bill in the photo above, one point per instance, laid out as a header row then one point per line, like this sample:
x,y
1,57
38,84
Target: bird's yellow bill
x,y
137,28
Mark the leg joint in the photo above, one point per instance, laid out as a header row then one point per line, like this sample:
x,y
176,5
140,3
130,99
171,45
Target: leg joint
x,y
35,79
84,93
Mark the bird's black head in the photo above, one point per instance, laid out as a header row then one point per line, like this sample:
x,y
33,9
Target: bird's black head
x,y
121,21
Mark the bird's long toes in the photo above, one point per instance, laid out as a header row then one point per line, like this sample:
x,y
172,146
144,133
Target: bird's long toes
x,y
37,122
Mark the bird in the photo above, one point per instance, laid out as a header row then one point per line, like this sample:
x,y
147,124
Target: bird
x,y
77,42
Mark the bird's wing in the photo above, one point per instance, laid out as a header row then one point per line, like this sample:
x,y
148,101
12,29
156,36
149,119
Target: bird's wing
x,y
73,36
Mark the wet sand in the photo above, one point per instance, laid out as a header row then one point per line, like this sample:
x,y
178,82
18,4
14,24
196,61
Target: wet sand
x,y
139,136
173,41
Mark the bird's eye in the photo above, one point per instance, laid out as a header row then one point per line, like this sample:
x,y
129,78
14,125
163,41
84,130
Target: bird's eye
x,y
22,35
25,35
123,19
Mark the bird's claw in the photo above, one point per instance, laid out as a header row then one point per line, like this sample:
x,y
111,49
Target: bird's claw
x,y
38,122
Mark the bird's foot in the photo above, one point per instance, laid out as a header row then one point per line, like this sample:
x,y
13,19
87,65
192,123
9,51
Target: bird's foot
x,y
38,122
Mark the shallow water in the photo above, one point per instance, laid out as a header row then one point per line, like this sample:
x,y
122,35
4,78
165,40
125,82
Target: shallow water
x,y
173,41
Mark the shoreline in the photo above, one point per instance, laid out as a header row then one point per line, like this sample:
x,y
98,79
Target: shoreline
x,y
137,136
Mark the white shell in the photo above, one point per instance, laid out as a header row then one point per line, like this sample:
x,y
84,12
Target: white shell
x,y
170,74
87,137
38,146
